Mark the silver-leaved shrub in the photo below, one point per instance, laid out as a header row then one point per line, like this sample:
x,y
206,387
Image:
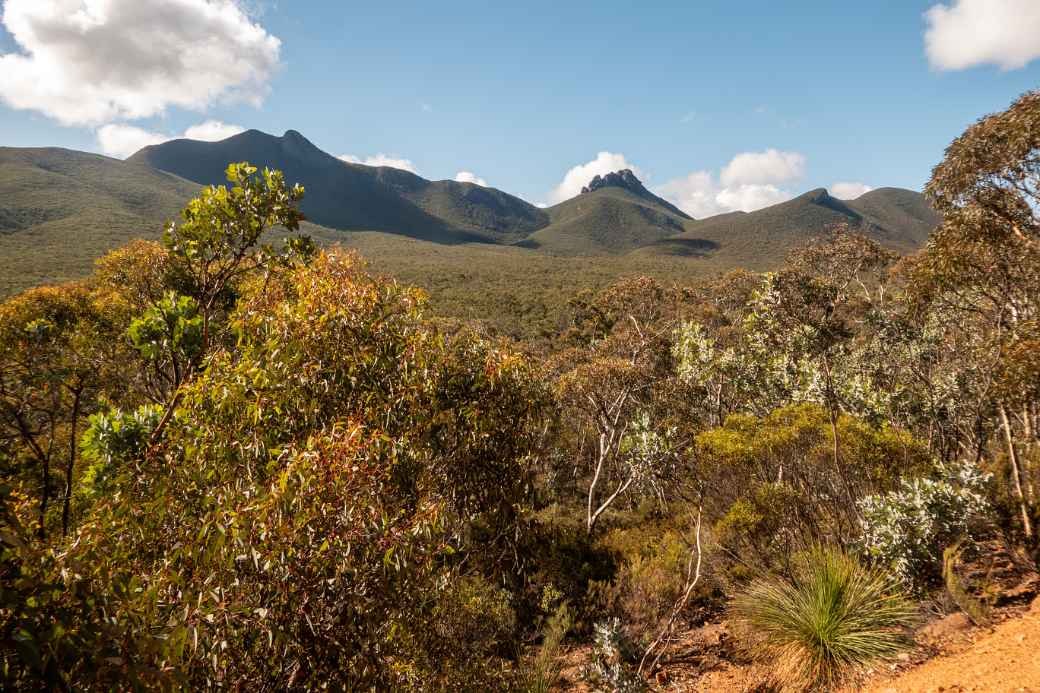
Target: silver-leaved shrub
x,y
907,529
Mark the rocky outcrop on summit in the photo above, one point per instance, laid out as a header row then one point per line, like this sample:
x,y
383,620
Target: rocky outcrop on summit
x,y
626,180
618,179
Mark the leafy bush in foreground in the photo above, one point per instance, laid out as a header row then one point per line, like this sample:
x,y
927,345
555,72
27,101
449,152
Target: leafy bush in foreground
x,y
307,517
832,617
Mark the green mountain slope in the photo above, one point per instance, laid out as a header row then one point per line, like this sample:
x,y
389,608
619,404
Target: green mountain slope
x,y
352,196
61,209
613,214
898,219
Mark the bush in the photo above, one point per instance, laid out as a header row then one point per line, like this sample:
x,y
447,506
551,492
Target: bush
x,y
610,669
546,666
772,488
832,617
908,529
650,578
306,517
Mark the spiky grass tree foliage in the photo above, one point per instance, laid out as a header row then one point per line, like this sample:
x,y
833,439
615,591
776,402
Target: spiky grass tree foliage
x,y
818,627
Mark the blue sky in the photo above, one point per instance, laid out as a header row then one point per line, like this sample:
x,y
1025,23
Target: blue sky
x,y
520,93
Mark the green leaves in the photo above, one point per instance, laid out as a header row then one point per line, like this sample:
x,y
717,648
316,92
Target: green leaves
x,y
172,327
113,439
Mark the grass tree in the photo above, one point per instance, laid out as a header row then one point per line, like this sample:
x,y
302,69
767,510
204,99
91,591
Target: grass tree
x,y
830,619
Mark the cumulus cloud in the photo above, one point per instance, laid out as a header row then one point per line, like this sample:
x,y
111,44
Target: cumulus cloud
x,y
579,176
748,182
700,195
967,33
695,194
212,131
470,177
849,191
757,168
121,140
748,198
381,160
90,62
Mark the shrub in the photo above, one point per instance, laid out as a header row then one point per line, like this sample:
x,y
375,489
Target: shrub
x,y
908,529
475,616
957,590
772,488
305,517
546,667
610,668
650,578
832,617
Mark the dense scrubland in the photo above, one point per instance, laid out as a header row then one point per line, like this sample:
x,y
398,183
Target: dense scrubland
x,y
234,464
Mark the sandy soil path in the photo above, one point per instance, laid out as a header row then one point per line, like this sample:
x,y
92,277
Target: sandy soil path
x,y
1001,660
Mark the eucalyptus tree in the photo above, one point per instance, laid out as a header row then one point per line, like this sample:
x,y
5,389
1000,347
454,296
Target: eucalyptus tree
x,y
218,243
982,268
53,352
620,399
811,312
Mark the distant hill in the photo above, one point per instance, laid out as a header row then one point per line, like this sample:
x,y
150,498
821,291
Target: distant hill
x,y
341,195
898,219
613,214
61,209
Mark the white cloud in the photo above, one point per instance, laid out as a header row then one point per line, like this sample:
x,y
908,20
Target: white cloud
x,y
381,160
579,176
770,166
849,191
212,131
469,177
120,140
746,183
89,62
968,33
750,197
695,194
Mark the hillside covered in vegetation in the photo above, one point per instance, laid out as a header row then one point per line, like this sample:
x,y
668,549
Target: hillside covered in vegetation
x,y
234,459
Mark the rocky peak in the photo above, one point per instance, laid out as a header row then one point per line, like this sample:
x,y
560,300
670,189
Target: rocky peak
x,y
618,179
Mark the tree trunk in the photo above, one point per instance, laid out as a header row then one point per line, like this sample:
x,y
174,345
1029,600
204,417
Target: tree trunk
x,y
67,503
1027,457
832,412
1016,472
45,497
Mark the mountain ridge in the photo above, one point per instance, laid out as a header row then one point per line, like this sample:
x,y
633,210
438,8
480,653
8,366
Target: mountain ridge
x,y
349,196
898,219
60,209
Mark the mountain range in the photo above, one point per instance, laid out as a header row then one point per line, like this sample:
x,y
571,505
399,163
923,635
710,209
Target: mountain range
x,y
61,208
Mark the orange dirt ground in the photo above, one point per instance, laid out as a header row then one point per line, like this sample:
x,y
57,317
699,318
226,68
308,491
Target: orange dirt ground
x,y
953,656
